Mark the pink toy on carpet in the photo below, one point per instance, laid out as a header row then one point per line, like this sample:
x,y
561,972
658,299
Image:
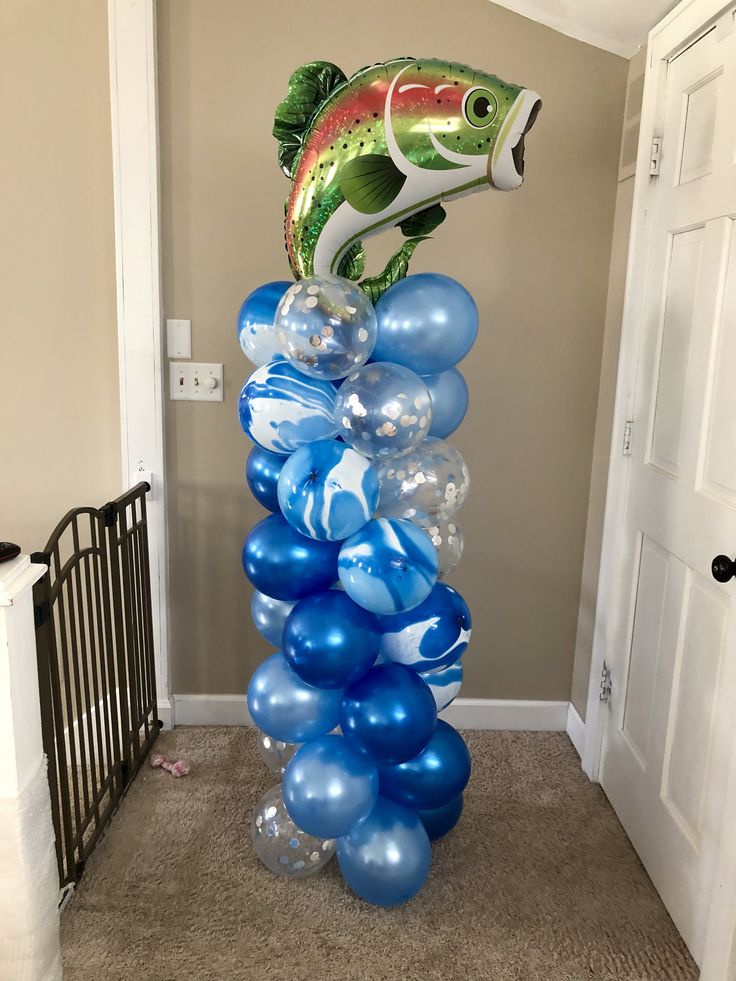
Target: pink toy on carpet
x,y
178,769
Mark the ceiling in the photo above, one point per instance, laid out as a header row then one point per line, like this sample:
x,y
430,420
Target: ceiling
x,y
620,26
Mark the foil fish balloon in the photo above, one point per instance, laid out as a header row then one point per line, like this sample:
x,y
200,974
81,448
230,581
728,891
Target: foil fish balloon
x,y
387,147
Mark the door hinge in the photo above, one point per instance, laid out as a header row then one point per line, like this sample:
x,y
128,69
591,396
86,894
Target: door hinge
x,y
628,432
605,690
654,156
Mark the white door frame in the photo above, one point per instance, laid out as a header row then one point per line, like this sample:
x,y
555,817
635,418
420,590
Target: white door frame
x,y
134,115
682,27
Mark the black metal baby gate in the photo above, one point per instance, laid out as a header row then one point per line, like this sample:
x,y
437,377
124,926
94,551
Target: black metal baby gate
x,y
94,639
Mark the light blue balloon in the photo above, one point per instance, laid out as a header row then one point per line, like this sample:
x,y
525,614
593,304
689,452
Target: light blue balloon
x,y
438,821
444,683
328,788
388,566
432,635
449,393
386,859
427,322
256,334
281,409
327,491
269,616
287,708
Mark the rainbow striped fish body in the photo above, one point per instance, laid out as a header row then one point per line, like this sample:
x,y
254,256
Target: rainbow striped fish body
x,y
387,147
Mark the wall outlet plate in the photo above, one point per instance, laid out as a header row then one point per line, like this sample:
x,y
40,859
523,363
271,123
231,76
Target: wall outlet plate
x,y
179,338
194,382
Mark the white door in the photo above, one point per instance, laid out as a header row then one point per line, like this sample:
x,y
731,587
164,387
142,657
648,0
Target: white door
x,y
672,721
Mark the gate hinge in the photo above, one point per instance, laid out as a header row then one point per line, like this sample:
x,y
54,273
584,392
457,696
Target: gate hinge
x,y
654,156
628,432
41,613
605,690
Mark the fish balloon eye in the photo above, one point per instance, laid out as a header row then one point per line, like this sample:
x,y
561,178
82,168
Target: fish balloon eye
x,y
480,107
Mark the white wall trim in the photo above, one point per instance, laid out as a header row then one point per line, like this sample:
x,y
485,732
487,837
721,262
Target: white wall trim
x,y
211,710
576,729
134,117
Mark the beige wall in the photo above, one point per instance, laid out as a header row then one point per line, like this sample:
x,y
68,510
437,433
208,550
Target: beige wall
x,y
607,390
59,425
536,261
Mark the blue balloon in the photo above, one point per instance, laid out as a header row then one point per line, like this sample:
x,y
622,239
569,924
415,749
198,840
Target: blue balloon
x,y
262,471
328,788
327,490
330,641
439,773
431,635
449,393
287,708
284,564
427,322
438,821
390,713
386,859
388,566
269,616
281,409
444,683
256,333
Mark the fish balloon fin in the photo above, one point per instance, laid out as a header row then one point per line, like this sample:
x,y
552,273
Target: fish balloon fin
x,y
396,268
423,222
309,86
371,182
352,263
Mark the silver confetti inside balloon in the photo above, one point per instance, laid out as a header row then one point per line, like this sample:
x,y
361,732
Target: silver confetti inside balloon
x,y
282,847
447,538
275,752
427,485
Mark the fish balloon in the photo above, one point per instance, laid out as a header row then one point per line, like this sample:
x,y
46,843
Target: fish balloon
x,y
387,147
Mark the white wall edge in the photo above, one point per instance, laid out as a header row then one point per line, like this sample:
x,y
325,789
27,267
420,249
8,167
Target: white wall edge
x,y
576,729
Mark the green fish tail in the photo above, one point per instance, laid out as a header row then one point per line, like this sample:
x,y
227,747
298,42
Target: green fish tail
x,y
396,268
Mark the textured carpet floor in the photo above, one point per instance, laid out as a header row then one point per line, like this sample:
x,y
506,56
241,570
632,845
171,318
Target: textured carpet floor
x,y
537,883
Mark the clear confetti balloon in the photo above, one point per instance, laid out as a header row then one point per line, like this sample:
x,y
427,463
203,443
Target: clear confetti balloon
x,y
326,326
281,846
275,753
383,410
427,485
447,538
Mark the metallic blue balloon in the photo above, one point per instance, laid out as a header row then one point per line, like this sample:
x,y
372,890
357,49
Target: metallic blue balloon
x,y
388,566
439,820
431,635
328,788
328,490
386,859
330,641
390,713
269,616
427,322
439,773
262,471
287,708
284,564
256,332
449,393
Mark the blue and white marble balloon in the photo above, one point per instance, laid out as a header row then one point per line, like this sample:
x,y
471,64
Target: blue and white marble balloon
x,y
388,566
281,409
444,683
431,635
327,490
256,333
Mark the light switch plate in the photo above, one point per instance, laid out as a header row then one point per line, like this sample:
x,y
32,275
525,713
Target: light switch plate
x,y
193,382
179,338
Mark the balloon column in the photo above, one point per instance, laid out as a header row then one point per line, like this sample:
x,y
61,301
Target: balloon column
x,y
349,410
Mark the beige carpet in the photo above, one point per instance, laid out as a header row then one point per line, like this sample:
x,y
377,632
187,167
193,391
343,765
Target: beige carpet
x,y
537,883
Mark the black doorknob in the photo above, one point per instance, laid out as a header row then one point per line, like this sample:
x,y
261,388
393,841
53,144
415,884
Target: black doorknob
x,y
723,568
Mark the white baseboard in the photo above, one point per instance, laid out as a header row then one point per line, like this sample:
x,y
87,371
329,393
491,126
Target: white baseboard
x,y
165,708
576,729
464,713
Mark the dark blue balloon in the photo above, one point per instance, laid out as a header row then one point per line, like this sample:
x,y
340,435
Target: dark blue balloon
x,y
269,616
287,708
256,332
328,788
426,322
286,565
390,713
262,471
432,635
330,641
438,821
386,859
449,393
434,777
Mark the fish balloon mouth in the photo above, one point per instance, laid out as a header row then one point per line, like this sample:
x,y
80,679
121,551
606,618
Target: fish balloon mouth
x,y
506,163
